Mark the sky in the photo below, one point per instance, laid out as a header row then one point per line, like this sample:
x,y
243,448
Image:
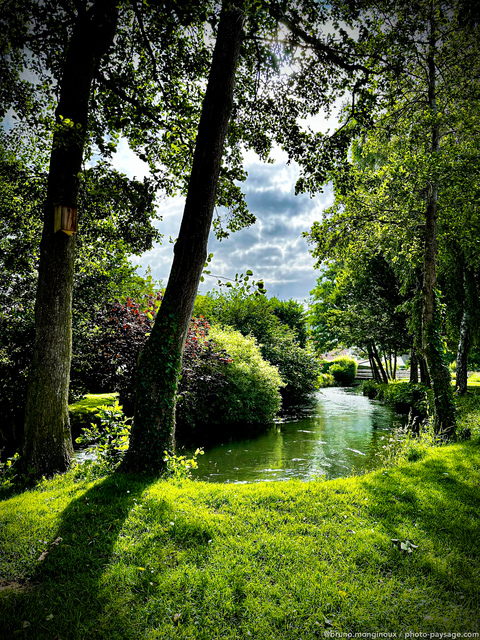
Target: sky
x,y
273,248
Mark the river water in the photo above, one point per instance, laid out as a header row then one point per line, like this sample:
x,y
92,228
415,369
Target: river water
x,y
341,434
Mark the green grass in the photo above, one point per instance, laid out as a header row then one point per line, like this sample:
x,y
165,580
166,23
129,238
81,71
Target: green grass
x,y
290,560
84,410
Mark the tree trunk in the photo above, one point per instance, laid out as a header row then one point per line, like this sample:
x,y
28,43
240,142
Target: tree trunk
x,y
386,366
465,334
383,374
424,376
413,367
373,365
153,430
462,353
48,442
444,406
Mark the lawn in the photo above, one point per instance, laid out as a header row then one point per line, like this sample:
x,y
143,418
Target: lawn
x,y
84,410
129,557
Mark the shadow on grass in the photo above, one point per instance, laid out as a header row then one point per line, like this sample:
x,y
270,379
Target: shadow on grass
x,y
437,505
68,599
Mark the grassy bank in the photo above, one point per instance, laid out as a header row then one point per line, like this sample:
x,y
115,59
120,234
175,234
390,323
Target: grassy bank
x,y
130,558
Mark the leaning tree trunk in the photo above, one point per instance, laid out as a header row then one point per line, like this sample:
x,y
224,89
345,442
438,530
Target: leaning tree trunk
x,y
47,441
444,406
383,374
373,364
153,430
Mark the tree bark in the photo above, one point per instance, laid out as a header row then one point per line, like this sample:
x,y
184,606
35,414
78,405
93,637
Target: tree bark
x,y
373,364
413,367
153,429
47,441
383,374
462,353
465,333
444,406
424,375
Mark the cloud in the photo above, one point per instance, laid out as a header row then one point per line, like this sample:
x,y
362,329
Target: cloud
x,y
273,248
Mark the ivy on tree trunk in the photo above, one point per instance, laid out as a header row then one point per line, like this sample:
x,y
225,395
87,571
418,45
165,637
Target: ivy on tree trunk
x,y
153,429
444,406
48,442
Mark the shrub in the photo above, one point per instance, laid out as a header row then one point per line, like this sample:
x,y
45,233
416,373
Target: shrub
x,y
343,369
109,439
370,389
280,330
249,394
400,395
17,334
298,368
326,380
252,393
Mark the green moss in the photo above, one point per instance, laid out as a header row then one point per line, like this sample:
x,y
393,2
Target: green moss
x,y
165,559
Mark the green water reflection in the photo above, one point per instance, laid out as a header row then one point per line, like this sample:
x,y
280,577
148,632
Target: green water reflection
x,y
342,435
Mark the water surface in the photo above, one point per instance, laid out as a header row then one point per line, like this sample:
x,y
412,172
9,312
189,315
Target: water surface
x,y
341,435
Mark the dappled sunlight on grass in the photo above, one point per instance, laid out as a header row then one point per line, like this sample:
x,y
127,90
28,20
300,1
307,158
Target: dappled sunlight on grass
x,y
184,559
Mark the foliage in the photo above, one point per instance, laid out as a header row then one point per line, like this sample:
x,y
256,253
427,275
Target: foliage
x,y
207,382
468,412
279,328
342,368
13,477
109,439
121,333
116,221
326,380
203,381
180,467
248,395
402,445
407,189
112,345
9,471
358,303
292,314
142,558
401,394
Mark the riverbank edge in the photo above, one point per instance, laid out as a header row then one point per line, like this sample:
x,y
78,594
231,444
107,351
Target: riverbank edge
x,y
394,551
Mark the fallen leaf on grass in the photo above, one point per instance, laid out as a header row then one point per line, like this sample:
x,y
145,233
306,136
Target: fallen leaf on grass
x,y
176,617
404,545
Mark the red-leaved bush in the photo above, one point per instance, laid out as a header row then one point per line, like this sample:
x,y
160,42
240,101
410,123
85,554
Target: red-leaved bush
x,y
111,351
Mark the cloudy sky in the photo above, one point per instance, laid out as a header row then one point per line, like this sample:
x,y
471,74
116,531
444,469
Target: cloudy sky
x,y
273,248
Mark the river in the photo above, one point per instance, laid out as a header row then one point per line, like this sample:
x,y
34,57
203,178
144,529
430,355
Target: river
x,y
341,434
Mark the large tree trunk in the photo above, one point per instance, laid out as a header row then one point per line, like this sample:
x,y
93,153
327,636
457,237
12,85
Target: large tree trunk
x,y
47,442
153,430
444,406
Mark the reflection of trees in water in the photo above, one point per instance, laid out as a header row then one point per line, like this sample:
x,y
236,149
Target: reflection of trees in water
x,y
323,441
